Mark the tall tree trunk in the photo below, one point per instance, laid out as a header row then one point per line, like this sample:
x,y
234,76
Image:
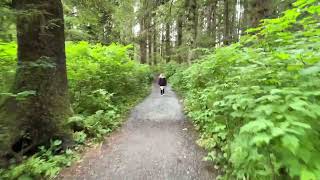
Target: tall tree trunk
x,y
209,17
226,34
142,42
150,49
194,8
149,38
105,22
234,25
214,22
155,34
163,40
155,45
245,16
179,22
168,40
42,69
179,31
192,26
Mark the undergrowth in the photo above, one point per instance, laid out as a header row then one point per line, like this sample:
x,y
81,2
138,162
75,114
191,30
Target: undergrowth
x,y
104,84
257,102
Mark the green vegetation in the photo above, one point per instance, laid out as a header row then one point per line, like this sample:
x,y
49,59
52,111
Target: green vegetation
x,y
69,74
104,83
257,102
8,53
44,164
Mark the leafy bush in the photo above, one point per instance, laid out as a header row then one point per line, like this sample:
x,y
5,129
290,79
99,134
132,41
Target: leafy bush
x,y
103,84
97,124
104,71
45,163
257,103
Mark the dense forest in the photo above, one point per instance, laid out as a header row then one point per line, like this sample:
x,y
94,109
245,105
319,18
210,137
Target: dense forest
x,y
247,71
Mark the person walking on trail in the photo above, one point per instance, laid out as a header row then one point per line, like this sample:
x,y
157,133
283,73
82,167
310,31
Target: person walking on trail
x,y
162,83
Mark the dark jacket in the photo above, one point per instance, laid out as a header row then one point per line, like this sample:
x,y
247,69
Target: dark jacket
x,y
162,82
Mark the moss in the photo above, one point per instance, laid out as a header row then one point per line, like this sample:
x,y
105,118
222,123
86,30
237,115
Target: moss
x,y
38,117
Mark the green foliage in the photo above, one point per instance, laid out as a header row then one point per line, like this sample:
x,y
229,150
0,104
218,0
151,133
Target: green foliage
x,y
19,96
102,75
100,21
103,84
256,103
7,64
96,125
45,163
7,21
80,137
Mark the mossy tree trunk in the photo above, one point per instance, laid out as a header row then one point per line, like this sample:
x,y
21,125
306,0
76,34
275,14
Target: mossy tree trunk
x,y
42,69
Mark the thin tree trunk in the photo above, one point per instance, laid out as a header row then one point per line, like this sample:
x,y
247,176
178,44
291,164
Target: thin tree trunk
x,y
179,36
226,35
210,15
155,45
233,27
192,26
167,42
149,38
163,40
150,49
214,22
142,42
245,17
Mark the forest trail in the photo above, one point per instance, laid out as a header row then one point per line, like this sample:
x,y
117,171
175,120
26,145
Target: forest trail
x,y
156,143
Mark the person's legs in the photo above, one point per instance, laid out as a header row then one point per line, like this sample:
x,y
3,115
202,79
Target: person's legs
x,y
161,90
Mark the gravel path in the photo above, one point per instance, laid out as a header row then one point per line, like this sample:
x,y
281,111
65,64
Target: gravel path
x,y
156,143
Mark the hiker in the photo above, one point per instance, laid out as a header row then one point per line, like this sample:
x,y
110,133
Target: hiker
x,y
162,83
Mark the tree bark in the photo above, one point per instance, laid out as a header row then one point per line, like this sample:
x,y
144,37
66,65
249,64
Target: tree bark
x,y
149,38
42,69
155,44
168,40
142,42
226,34
163,40
179,31
260,9
212,26
245,16
179,22
234,23
191,26
150,49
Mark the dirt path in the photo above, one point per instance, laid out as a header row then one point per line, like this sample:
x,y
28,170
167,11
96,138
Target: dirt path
x,y
156,143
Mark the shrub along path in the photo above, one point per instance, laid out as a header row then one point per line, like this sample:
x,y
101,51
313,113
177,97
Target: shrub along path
x,y
155,143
